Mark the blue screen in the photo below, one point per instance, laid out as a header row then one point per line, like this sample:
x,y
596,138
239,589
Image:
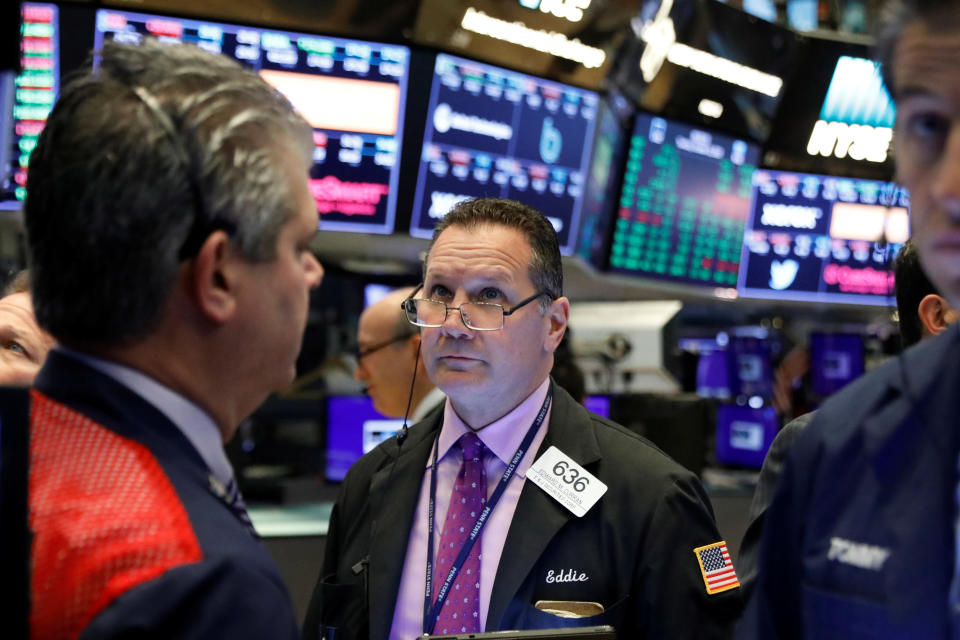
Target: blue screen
x,y
600,405
744,434
818,238
496,133
351,92
27,102
750,366
836,359
354,428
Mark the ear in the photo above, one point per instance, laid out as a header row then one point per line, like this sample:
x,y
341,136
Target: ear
x,y
213,278
935,314
558,313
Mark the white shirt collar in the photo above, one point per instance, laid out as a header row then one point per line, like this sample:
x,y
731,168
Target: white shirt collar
x,y
429,401
195,424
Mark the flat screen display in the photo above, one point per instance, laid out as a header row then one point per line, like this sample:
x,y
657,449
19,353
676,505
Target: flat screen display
x,y
28,101
351,92
744,434
836,359
683,205
603,185
491,132
599,405
354,428
836,116
822,238
751,369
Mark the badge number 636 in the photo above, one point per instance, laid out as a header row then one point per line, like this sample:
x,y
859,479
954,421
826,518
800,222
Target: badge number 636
x,y
571,476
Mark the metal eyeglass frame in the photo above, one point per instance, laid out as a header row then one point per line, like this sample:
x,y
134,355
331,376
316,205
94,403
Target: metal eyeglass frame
x,y
410,309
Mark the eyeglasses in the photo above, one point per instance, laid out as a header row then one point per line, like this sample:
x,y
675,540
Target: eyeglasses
x,y
363,353
479,316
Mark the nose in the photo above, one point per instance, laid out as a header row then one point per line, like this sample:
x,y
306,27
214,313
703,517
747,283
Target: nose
x,y
359,372
453,325
314,271
945,188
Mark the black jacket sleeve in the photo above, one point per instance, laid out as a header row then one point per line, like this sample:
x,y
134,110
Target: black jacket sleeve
x,y
221,599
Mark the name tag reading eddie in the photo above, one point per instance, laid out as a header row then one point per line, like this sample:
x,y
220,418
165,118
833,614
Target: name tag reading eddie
x,y
566,481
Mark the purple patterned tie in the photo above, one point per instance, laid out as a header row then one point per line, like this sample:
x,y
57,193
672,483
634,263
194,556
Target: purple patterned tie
x,y
461,611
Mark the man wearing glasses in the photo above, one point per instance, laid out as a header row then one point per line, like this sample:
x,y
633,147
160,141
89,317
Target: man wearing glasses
x,y
514,508
388,360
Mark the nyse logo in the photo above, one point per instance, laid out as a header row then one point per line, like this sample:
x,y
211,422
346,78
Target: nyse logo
x,y
782,274
858,141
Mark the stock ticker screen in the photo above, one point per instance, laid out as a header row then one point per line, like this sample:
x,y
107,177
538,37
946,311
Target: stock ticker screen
x,y
27,102
683,204
497,133
822,238
351,92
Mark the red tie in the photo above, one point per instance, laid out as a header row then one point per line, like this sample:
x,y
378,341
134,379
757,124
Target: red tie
x,y
461,611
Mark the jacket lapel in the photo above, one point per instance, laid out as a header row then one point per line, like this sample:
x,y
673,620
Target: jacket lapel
x,y
539,517
397,488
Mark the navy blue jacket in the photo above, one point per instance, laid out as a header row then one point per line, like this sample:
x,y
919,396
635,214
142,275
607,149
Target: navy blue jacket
x,y
220,583
859,540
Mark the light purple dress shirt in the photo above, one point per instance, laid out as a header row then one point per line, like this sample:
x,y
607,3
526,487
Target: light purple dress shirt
x,y
502,438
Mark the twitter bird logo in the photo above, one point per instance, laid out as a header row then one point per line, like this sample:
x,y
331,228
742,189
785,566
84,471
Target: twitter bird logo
x,y
782,274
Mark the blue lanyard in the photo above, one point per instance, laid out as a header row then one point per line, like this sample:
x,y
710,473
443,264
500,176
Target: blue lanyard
x,y
431,613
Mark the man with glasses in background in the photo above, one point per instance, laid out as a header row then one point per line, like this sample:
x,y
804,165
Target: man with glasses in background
x,y
514,508
389,362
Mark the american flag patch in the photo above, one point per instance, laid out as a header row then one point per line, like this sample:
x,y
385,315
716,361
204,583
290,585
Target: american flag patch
x,y
716,567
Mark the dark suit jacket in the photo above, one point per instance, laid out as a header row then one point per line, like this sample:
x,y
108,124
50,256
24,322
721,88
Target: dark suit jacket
x,y
770,475
635,545
859,540
107,553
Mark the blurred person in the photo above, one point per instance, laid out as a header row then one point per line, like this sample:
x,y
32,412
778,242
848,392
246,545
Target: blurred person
x,y
566,372
169,220
861,538
923,313
23,344
388,356
454,498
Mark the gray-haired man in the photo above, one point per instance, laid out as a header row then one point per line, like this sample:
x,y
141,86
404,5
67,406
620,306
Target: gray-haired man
x,y
169,220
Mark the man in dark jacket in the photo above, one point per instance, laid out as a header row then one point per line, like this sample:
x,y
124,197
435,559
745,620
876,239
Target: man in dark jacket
x,y
514,507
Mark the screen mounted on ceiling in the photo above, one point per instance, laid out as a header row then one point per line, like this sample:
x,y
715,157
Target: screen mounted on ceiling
x,y
683,205
351,92
822,238
27,100
491,132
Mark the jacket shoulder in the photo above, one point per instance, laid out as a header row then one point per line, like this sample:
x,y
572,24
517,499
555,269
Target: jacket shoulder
x,y
105,518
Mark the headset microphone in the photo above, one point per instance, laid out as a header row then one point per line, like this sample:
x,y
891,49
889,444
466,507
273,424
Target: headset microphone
x,y
402,434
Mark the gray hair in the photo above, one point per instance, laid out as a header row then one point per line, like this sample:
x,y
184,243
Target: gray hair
x,y
546,267
139,161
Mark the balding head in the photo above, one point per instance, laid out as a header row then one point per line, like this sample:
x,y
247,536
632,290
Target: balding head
x,y
388,346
